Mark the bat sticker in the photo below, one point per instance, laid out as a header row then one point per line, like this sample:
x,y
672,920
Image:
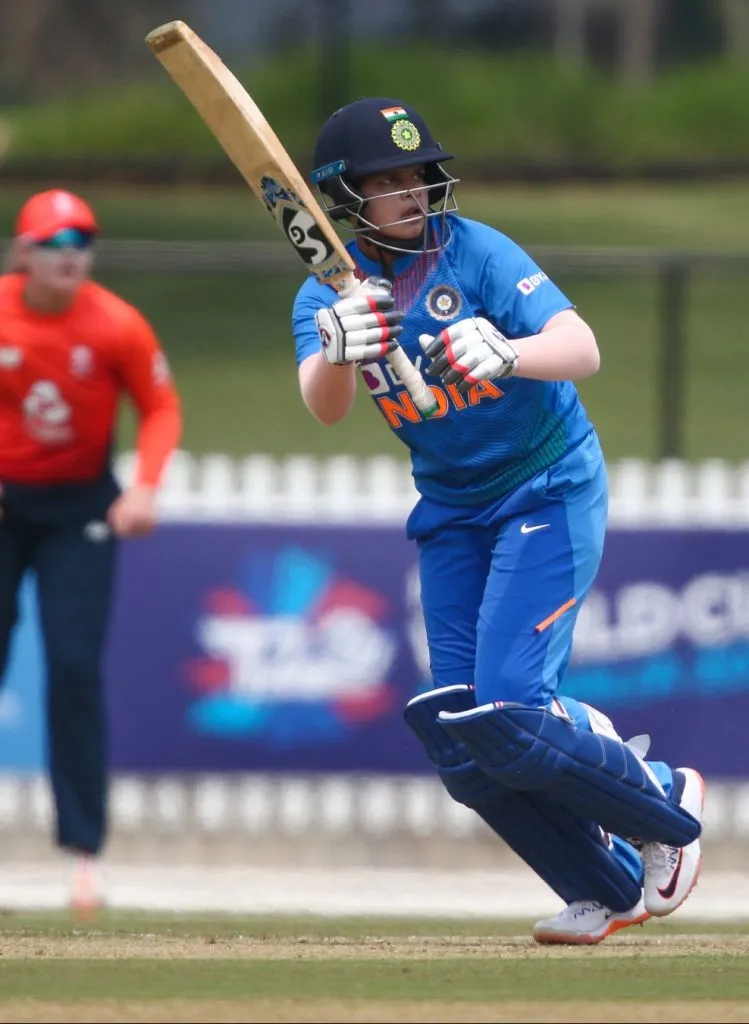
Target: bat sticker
x,y
337,270
274,193
304,234
298,225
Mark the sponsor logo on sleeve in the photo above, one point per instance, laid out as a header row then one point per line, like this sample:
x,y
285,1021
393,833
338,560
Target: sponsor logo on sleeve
x,y
529,284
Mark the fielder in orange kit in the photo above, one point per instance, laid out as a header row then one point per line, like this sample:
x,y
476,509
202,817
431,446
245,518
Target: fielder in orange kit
x,y
69,350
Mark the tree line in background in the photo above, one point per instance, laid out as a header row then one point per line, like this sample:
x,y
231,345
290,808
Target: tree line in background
x,y
640,35
48,46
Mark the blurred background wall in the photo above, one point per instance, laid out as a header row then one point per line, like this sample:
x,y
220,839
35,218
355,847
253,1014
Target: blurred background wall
x,y
608,137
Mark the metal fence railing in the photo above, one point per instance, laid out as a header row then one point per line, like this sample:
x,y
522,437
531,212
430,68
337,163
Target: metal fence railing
x,y
670,360
672,325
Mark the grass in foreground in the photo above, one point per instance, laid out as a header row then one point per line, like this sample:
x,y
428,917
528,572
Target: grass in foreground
x,y
118,924
479,978
137,967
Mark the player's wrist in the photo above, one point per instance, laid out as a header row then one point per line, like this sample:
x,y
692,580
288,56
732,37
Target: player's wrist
x,y
338,368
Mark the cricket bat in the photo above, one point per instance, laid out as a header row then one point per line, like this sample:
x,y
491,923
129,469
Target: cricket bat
x,y
257,153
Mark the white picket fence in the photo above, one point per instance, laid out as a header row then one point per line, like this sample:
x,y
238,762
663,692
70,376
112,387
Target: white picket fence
x,y
347,489
299,808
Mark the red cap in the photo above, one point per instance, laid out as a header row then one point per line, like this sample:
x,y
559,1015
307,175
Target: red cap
x,y
47,212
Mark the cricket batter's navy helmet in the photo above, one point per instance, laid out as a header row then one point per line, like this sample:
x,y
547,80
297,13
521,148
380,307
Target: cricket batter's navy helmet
x,y
369,136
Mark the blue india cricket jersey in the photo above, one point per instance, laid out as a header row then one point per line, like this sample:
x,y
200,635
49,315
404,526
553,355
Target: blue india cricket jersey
x,y
483,444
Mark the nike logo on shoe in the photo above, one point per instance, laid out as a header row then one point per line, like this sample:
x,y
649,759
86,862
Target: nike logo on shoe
x,y
532,529
667,891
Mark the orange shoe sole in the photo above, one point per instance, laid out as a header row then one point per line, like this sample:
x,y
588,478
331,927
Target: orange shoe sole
x,y
577,939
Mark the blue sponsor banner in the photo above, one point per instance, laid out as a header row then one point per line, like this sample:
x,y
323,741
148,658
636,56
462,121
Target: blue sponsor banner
x,y
295,648
22,715
240,647
662,645
283,648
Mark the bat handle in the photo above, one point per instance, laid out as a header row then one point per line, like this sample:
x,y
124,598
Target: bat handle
x,y
414,383
408,375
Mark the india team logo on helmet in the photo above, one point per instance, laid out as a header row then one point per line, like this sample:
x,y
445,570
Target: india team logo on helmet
x,y
405,135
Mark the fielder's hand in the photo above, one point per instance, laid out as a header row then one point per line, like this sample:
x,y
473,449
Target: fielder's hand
x,y
363,326
468,352
133,514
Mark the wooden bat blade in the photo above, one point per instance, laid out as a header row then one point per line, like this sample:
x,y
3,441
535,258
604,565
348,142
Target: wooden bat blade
x,y
258,154
167,35
253,147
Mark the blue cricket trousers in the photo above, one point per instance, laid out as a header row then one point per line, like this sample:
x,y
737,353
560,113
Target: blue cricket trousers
x,y
502,584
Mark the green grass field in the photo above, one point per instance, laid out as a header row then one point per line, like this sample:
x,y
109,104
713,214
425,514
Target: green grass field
x,y
229,339
141,967
352,969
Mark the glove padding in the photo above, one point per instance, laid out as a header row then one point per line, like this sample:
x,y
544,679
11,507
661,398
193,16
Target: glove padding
x,y
362,327
468,352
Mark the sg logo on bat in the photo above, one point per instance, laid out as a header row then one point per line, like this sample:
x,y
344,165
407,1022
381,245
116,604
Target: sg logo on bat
x,y
301,230
297,223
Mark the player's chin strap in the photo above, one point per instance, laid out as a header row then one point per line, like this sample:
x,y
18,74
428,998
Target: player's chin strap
x,y
394,245
420,243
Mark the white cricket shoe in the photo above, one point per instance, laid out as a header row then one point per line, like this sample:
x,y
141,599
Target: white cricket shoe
x,y
586,923
671,872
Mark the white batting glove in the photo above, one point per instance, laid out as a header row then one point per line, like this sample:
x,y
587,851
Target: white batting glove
x,y
362,327
468,352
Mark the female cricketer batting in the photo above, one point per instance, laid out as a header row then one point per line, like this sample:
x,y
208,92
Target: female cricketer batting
x,y
68,350
509,525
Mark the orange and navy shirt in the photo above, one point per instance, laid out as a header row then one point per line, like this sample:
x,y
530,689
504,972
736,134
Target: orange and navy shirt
x,y
61,380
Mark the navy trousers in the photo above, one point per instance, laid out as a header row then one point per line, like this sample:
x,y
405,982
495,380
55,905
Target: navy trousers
x,y
60,535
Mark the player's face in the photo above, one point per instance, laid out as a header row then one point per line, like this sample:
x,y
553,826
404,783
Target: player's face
x,y
397,201
62,262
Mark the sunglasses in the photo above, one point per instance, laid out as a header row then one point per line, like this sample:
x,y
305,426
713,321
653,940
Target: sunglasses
x,y
67,238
